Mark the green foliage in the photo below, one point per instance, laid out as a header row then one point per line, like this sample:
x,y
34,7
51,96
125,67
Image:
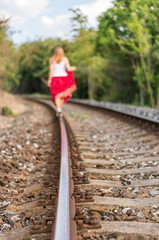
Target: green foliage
x,y
79,21
130,30
34,64
6,111
8,59
89,74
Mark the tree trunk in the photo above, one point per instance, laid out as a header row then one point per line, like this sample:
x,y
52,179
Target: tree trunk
x,y
157,105
90,83
142,90
142,96
147,80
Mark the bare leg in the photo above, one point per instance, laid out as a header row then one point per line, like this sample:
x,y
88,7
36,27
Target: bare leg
x,y
61,102
60,95
58,102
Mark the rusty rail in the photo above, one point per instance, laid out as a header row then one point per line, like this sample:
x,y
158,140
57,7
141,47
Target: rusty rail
x,y
64,227
62,222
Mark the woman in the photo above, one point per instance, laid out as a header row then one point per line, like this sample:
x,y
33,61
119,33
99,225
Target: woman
x,y
61,80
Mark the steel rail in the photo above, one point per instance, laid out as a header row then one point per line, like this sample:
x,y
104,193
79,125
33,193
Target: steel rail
x,y
100,105
62,222
64,227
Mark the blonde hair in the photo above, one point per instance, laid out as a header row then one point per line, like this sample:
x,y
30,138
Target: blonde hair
x,y
58,55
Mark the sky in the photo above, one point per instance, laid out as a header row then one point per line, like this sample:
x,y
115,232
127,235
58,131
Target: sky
x,y
34,19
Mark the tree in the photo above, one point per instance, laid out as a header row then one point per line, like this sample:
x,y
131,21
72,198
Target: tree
x,y
89,75
33,64
129,25
8,67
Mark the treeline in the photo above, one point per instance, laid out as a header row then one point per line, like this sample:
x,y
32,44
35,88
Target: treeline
x,y
8,58
118,62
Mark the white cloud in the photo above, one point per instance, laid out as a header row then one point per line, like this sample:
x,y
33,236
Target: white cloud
x,y
22,11
60,26
94,9
47,21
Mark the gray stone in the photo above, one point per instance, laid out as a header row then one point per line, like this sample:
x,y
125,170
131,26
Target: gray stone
x,y
140,215
124,211
153,193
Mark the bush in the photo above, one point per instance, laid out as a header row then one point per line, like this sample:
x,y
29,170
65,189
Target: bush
x,y
6,111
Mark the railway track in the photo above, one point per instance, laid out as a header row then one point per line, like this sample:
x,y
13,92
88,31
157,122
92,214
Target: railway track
x,y
29,172
114,161
120,155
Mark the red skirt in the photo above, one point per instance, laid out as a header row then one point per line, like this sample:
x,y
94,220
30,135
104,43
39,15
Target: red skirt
x,y
63,87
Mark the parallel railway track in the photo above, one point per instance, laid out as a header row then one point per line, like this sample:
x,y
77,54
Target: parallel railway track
x,y
115,165
120,155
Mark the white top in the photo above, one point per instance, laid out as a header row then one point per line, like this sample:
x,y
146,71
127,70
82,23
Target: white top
x,y
59,69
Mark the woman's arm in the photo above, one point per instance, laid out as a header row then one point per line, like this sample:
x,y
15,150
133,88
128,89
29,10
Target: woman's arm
x,y
51,69
68,67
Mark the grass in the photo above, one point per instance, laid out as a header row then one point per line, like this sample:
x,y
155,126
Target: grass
x,y
6,111
71,114
80,116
